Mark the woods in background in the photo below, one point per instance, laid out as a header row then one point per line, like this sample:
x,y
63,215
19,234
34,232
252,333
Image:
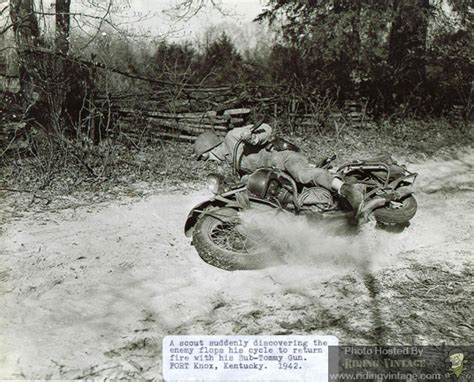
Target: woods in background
x,y
400,57
404,56
96,100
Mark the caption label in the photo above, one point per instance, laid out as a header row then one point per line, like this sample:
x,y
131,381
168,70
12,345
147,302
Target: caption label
x,y
246,357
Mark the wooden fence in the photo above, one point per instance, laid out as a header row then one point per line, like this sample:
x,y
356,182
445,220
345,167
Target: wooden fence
x,y
178,126
139,121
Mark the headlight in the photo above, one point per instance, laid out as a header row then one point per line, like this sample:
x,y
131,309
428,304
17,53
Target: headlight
x,y
213,183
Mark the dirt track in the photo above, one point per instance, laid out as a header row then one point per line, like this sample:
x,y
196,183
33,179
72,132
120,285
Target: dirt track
x,y
91,292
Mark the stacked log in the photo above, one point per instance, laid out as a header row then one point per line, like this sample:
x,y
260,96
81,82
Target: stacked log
x,y
354,112
179,116
180,126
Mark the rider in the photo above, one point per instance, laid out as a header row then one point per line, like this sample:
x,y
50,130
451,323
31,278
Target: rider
x,y
253,155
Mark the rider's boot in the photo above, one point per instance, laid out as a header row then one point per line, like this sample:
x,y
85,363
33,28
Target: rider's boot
x,y
354,193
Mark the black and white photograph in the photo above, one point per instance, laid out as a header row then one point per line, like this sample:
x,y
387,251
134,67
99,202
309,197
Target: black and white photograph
x,y
237,190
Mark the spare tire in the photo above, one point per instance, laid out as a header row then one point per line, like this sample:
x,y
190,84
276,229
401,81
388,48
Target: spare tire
x,y
396,212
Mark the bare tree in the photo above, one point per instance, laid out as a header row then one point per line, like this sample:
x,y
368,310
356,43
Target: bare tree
x,y
50,79
26,36
186,9
63,25
24,23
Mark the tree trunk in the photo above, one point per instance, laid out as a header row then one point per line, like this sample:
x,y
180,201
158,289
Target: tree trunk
x,y
63,23
59,92
25,25
407,48
9,73
26,35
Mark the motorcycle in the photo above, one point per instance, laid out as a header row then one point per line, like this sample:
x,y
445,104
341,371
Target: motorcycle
x,y
215,224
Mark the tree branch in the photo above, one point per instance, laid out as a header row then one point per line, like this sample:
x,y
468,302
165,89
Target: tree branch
x,y
107,13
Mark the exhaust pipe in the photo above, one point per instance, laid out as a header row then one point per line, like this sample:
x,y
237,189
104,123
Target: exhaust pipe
x,y
366,209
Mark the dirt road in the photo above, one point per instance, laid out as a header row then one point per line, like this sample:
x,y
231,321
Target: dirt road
x,y
90,293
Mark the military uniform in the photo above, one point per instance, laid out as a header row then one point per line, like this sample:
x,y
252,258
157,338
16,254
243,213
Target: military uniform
x,y
253,155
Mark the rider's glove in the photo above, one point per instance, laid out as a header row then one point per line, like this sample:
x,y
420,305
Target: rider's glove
x,y
247,136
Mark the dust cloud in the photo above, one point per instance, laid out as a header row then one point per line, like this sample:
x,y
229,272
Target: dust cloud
x,y
329,244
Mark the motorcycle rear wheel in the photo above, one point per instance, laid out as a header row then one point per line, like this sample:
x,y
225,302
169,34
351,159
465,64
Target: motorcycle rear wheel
x,y
220,243
399,212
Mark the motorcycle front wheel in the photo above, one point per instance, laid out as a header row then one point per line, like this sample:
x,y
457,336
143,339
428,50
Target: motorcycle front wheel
x,y
221,242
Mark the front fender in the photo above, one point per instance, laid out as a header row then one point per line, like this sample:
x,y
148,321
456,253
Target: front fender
x,y
224,200
193,216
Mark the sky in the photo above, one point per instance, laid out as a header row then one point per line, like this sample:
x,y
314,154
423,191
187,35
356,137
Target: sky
x,y
154,17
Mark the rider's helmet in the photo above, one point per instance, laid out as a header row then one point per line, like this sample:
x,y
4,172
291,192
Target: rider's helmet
x,y
205,142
